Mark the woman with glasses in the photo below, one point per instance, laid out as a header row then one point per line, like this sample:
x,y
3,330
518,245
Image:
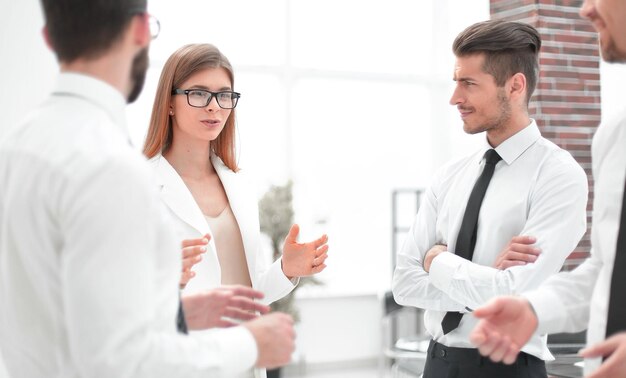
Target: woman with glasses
x,y
191,144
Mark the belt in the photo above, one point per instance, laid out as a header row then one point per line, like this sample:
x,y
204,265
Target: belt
x,y
472,356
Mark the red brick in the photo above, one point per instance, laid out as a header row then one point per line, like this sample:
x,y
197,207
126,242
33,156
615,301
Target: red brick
x,y
565,103
585,63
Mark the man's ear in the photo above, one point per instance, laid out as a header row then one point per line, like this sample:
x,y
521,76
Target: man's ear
x,y
46,37
517,86
141,29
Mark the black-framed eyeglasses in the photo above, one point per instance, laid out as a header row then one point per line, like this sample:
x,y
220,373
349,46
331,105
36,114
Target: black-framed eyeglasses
x,y
200,98
153,23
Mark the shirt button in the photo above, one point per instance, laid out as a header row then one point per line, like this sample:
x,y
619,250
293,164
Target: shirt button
x,y
442,353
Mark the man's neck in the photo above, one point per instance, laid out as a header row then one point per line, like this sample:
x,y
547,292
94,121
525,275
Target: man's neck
x,y
111,69
516,123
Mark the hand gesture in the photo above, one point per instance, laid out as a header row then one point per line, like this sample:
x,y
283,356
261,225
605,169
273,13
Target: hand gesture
x,y
208,309
275,339
192,254
519,251
614,349
506,325
303,259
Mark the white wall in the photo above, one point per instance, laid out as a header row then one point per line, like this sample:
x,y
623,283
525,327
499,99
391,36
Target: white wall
x,y
338,329
27,67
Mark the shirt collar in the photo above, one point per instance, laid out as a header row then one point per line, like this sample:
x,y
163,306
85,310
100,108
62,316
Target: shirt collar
x,y
96,92
515,146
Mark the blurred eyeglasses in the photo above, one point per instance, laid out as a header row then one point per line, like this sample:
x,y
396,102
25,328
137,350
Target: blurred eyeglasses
x,y
153,22
155,26
200,98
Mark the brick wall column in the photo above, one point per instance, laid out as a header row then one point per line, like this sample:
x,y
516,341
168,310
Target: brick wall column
x,y
566,103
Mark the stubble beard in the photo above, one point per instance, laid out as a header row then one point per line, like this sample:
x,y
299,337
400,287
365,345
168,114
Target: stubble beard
x,y
496,122
138,72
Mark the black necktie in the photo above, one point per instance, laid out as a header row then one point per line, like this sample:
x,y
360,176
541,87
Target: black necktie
x,y
466,241
616,318
181,324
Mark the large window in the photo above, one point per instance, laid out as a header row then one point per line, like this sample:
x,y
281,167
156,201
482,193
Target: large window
x,y
347,98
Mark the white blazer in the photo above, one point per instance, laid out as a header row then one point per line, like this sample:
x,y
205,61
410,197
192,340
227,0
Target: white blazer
x,y
190,223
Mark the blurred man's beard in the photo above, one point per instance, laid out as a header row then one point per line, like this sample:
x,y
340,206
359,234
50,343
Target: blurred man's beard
x,y
609,51
138,74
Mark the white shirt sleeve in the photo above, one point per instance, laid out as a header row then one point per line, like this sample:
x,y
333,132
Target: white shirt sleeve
x,y
273,282
556,218
562,302
411,285
120,269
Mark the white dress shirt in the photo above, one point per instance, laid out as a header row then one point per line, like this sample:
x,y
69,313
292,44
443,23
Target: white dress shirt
x,y
573,301
537,189
89,268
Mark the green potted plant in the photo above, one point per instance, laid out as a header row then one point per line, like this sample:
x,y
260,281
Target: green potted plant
x,y
276,218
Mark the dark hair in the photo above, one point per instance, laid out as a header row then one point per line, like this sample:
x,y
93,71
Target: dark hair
x,y
87,28
509,47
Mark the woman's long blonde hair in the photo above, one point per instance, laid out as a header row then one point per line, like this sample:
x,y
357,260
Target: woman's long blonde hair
x,y
183,63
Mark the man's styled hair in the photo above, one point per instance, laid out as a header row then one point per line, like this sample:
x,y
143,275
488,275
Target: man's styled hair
x,y
509,47
87,28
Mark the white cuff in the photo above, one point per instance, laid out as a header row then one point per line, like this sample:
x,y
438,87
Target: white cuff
x,y
442,270
274,284
237,349
286,281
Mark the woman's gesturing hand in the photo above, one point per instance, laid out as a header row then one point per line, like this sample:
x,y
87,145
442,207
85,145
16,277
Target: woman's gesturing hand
x,y
303,259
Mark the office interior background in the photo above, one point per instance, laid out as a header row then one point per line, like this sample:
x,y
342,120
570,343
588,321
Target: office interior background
x,y
348,99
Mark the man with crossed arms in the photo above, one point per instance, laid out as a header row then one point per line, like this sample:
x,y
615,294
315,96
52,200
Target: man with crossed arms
x,y
458,253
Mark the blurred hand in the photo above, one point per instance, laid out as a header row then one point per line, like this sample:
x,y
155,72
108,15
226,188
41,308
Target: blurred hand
x,y
614,348
275,339
303,259
519,251
192,254
506,325
208,309
432,253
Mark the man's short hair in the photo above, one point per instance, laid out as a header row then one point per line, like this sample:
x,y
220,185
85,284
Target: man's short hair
x,y
509,47
87,28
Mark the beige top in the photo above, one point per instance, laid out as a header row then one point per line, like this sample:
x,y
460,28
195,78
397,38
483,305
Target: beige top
x,y
230,254
229,245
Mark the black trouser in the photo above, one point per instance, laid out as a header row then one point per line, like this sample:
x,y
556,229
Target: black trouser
x,y
447,362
